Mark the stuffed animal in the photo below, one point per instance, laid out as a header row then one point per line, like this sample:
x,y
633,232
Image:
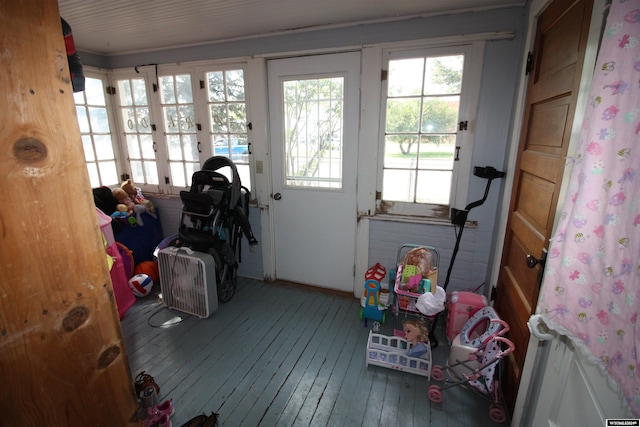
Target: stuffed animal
x,y
123,198
134,192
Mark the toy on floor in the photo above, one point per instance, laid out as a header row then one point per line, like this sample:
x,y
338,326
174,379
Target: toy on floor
x,y
474,361
372,308
393,353
415,332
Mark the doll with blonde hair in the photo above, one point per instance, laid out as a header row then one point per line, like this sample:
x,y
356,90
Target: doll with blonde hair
x,y
416,333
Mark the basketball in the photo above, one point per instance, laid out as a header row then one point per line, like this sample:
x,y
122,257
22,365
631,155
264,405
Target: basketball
x,y
140,285
150,268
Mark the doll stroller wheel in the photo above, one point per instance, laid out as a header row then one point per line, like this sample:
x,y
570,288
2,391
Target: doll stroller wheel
x,y
437,373
497,414
435,394
226,291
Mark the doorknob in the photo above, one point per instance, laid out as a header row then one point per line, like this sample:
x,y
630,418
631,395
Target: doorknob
x,y
533,261
277,196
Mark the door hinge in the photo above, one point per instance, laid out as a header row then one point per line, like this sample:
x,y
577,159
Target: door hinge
x,y
110,90
463,125
529,67
201,84
384,75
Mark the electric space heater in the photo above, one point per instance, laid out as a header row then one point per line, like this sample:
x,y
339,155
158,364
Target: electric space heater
x,y
188,281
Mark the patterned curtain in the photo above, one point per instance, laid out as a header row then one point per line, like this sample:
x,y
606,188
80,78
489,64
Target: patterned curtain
x,y
591,289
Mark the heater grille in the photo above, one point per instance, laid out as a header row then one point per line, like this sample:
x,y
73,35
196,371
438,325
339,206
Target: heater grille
x,y
188,281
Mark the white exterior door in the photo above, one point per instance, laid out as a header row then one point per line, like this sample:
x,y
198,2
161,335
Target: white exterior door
x,y
314,107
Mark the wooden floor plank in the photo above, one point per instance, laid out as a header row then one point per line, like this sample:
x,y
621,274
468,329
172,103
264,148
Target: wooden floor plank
x,y
279,355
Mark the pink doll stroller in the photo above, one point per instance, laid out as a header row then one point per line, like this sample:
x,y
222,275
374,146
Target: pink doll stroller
x,y
474,362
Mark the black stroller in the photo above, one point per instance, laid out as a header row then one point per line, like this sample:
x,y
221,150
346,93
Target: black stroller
x,y
215,216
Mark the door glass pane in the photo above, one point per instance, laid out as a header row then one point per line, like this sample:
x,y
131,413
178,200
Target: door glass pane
x,y
313,132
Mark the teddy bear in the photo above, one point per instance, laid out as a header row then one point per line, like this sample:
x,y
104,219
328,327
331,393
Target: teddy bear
x,y
123,199
132,191
135,194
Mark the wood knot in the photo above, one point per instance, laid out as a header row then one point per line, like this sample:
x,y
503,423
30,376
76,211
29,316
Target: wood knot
x,y
75,318
30,150
108,356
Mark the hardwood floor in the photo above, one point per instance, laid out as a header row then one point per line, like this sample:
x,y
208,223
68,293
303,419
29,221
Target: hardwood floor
x,y
277,355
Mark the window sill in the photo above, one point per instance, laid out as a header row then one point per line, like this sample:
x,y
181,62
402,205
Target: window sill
x,y
418,220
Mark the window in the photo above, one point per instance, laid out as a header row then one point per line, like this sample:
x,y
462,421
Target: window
x,y
426,110
227,112
313,132
137,130
97,139
173,118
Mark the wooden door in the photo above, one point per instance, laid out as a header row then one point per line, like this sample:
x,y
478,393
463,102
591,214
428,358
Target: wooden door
x,y
554,81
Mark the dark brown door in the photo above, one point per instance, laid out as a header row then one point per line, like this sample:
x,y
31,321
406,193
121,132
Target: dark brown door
x,y
561,38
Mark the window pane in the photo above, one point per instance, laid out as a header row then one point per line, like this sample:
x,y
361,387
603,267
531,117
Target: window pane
x,y
187,118
403,115
151,172
440,114
83,120
235,85
108,173
218,118
104,147
99,120
313,128
433,187
139,92
174,146
400,151
167,90
405,77
124,89
177,174
444,75
399,185
94,177
237,118
437,152
94,91
87,145
191,148
146,143
183,87
132,147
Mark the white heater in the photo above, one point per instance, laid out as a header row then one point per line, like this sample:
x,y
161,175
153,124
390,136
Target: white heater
x,y
188,281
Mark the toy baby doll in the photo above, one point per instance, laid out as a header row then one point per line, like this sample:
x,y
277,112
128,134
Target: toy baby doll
x,y
416,333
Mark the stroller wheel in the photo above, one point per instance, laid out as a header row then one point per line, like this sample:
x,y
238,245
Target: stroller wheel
x,y
226,291
435,394
437,373
497,414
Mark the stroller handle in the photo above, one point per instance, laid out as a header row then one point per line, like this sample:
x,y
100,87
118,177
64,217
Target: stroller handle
x,y
510,347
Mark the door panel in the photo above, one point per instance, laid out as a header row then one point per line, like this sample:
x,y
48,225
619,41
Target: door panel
x,y
561,37
314,107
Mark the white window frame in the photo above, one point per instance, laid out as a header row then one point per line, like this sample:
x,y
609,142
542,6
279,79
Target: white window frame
x,y
90,72
469,97
151,75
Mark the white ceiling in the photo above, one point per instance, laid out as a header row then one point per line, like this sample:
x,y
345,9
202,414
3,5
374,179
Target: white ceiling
x,y
126,26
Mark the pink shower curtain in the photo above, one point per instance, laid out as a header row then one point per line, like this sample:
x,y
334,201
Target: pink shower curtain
x,y
591,288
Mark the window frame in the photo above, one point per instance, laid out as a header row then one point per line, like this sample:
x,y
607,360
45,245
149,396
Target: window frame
x,y
469,98
103,76
151,75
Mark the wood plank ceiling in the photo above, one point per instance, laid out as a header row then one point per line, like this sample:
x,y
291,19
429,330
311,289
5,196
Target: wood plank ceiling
x,y
125,26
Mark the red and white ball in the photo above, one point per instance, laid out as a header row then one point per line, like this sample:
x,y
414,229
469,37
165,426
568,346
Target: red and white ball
x,y
141,285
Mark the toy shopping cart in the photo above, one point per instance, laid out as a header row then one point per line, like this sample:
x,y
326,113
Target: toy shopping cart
x,y
416,274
